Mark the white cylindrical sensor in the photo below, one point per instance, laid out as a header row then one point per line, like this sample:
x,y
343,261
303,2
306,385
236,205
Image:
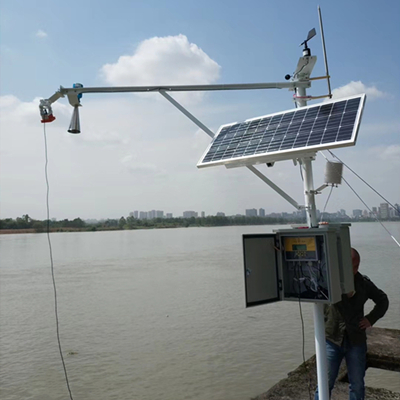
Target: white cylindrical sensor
x,y
333,172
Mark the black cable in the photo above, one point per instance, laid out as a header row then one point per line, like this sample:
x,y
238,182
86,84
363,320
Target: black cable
x,y
326,203
301,69
358,176
303,350
51,261
301,172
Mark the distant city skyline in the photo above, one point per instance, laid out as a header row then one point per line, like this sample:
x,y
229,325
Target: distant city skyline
x,y
383,211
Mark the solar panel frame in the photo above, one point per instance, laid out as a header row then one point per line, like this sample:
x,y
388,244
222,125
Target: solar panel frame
x,y
282,135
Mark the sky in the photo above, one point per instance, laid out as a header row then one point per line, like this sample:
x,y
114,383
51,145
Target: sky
x,y
136,151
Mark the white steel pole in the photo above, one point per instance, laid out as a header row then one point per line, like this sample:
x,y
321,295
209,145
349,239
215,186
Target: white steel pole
x,y
319,323
309,193
320,351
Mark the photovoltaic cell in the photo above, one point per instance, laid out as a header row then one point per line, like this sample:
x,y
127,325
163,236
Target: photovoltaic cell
x,y
285,135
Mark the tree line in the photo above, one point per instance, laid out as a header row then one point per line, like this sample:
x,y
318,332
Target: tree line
x,y
26,222
77,224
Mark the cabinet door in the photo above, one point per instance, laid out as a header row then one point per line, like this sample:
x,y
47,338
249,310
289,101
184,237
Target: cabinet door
x,y
260,269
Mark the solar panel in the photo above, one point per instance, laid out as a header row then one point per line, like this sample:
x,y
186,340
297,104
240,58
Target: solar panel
x,y
286,135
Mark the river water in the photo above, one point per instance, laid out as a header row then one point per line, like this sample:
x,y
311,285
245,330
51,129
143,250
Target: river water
x,y
153,314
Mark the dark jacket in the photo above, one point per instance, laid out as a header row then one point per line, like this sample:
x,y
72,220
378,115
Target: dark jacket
x,y
343,317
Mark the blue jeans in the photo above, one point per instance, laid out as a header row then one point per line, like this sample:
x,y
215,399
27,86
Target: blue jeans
x,y
356,360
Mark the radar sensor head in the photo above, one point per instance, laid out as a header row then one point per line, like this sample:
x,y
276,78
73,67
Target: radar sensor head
x,y
333,173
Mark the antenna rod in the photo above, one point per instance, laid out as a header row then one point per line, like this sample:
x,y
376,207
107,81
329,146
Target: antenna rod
x,y
324,51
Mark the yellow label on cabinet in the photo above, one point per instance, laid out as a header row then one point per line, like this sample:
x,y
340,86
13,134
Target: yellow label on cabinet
x,y
300,243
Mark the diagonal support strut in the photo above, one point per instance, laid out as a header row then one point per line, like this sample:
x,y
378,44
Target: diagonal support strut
x,y
249,167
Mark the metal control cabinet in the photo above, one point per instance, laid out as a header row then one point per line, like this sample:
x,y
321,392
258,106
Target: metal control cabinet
x,y
311,265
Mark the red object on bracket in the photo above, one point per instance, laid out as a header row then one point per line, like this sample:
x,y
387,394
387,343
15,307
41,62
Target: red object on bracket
x,y
48,118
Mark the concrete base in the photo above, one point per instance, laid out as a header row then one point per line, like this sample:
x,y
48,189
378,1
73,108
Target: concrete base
x,y
383,353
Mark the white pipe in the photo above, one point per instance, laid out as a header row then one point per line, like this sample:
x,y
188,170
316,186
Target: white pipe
x,y
319,322
274,187
186,88
301,97
188,114
324,51
320,351
309,193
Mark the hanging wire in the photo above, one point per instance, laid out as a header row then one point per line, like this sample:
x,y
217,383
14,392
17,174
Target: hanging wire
x,y
326,203
301,69
358,176
51,260
383,226
303,350
376,217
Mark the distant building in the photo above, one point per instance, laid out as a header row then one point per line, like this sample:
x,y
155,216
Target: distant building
x,y
302,214
261,212
357,213
384,210
365,214
159,214
190,214
374,211
274,215
251,212
220,214
143,215
342,212
203,214
136,214
397,210
169,215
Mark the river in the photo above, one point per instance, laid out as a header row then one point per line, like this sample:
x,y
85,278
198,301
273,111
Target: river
x,y
158,314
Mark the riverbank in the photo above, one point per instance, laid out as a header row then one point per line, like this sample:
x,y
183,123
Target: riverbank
x,y
31,230
26,224
175,223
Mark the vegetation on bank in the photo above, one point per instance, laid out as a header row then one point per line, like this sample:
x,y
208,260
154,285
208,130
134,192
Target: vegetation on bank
x,y
28,224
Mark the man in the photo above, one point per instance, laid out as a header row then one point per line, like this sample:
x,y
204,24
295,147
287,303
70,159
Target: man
x,y
345,326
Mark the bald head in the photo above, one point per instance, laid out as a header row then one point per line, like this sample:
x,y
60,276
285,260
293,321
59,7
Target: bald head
x,y
355,260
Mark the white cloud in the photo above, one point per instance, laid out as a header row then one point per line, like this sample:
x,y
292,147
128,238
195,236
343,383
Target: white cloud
x,y
8,101
147,169
357,87
389,154
41,34
170,60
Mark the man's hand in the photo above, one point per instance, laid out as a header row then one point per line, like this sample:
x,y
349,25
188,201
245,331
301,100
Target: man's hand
x,y
364,323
